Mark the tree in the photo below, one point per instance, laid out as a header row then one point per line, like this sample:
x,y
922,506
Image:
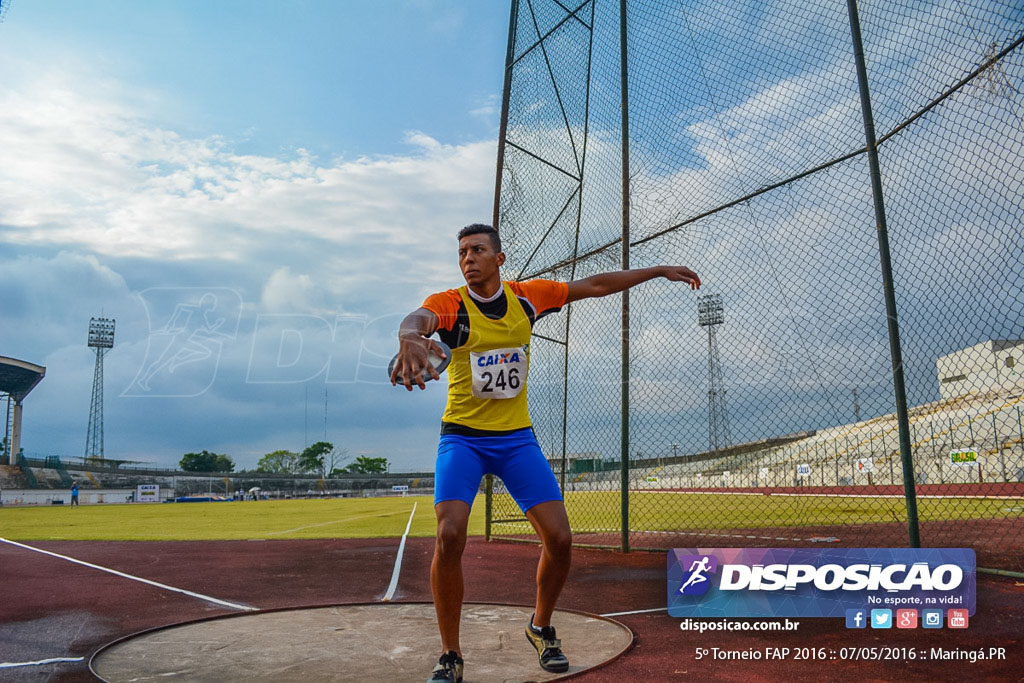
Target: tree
x,y
312,459
279,462
367,465
334,459
206,461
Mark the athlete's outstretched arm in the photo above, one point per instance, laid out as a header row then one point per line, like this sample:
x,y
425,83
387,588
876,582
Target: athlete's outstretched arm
x,y
616,281
413,348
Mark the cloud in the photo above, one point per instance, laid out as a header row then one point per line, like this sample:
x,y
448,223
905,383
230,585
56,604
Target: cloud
x,y
82,172
102,210
488,108
285,292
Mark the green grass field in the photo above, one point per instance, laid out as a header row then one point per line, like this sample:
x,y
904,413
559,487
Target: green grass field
x,y
284,519
387,517
598,511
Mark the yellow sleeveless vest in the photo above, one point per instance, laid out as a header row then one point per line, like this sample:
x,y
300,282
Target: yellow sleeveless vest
x,y
493,362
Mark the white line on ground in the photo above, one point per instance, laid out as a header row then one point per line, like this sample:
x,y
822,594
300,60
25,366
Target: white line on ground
x,y
636,611
53,660
398,560
337,521
200,596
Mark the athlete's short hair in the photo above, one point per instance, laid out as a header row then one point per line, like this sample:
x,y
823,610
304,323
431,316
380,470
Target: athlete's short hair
x,y
482,229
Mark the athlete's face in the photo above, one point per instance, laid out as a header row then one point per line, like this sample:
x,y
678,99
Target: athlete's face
x,y
479,262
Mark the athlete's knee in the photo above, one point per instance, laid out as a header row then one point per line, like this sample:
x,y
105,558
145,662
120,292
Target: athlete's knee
x,y
451,539
559,543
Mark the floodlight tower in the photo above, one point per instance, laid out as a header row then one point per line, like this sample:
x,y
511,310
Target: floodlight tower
x,y
710,314
101,338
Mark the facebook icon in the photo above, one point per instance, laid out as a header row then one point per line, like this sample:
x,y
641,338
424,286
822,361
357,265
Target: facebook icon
x,y
856,618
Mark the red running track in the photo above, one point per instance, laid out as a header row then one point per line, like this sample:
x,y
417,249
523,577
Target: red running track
x,y
53,608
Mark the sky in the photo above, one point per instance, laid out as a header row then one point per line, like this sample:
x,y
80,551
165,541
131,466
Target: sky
x,y
259,192
256,193
725,100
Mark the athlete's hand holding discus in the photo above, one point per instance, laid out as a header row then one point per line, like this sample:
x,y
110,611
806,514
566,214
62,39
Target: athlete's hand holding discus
x,y
419,359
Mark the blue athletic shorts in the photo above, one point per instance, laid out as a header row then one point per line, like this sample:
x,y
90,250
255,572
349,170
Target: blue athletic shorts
x,y
462,461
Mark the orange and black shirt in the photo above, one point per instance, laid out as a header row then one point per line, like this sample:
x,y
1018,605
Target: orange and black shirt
x,y
500,324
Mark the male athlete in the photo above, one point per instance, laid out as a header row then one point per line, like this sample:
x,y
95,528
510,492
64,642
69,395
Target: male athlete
x,y
486,425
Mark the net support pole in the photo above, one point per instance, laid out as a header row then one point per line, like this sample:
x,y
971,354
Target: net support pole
x,y
899,385
565,392
506,91
624,439
488,505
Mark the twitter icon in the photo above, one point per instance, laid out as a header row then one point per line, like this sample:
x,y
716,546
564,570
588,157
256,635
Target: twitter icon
x,y
881,618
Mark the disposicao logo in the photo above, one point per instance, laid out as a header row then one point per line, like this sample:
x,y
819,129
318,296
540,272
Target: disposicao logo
x,y
813,582
696,580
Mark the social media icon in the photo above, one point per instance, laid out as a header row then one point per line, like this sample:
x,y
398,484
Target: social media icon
x,y
881,618
957,618
931,618
906,618
856,618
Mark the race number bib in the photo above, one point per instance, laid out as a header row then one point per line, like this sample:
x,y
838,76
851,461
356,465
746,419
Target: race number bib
x,y
499,373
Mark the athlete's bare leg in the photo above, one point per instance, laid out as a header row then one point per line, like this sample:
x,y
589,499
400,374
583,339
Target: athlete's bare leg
x,y
552,525
446,570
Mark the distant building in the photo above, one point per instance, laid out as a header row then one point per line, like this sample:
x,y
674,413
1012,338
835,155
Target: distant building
x,y
997,364
590,461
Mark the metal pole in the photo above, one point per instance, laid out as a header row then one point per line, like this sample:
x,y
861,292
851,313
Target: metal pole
x,y
999,449
505,94
837,462
712,444
11,459
888,456
565,394
575,253
488,505
952,446
895,350
506,91
624,438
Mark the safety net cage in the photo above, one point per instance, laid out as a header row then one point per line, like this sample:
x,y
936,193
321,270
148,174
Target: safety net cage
x,y
848,182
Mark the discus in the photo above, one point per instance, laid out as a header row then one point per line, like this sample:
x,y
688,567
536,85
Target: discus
x,y
439,363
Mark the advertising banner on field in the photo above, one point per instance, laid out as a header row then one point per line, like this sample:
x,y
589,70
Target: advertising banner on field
x,y
817,582
963,458
147,493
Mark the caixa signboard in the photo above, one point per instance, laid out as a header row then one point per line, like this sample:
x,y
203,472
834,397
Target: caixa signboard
x,y
816,582
147,493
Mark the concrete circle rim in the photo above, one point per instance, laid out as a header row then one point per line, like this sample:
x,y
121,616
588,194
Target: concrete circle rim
x,y
131,636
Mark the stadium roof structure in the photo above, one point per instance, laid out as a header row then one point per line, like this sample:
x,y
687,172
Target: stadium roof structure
x,y
19,377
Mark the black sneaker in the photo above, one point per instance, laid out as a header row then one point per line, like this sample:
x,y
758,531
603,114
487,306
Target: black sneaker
x,y
548,648
449,668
